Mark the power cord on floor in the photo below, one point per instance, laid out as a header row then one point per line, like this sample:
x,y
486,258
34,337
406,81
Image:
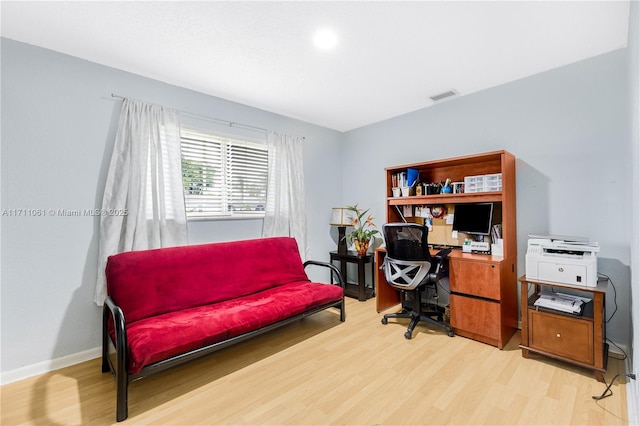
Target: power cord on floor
x,y
608,389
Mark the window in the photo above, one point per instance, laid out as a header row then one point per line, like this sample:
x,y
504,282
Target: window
x,y
223,177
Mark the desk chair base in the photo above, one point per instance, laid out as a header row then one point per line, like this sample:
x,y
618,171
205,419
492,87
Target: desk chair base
x,y
415,318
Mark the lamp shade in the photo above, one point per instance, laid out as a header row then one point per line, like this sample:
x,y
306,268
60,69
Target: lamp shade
x,y
340,216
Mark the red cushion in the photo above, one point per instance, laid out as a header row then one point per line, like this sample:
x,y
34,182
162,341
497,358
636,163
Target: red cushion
x,y
157,338
154,282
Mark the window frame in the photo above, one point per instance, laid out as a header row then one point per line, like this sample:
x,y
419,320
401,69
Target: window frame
x,y
221,153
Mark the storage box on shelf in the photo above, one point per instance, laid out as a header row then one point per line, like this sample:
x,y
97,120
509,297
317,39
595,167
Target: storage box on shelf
x,y
483,299
493,182
483,183
474,184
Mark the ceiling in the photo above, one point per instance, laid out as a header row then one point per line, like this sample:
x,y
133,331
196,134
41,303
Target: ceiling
x,y
391,56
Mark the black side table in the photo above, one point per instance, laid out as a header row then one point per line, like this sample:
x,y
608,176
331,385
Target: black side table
x,y
359,290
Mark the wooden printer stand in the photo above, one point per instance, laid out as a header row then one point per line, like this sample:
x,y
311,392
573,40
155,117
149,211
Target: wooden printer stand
x,y
577,339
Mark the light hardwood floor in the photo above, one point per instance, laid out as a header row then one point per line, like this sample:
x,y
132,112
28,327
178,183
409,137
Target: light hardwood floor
x,y
319,371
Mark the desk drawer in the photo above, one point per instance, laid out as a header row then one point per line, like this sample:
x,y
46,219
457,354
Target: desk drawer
x,y
475,316
476,278
569,337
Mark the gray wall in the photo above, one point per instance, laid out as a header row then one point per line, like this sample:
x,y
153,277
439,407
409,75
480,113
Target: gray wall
x,y
58,127
569,130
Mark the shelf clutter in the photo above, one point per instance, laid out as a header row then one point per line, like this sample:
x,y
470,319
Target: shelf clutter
x,y
408,183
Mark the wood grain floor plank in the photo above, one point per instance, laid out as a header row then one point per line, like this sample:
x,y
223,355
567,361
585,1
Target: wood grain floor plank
x,y
319,371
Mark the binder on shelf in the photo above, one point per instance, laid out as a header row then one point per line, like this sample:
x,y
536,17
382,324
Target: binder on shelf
x,y
412,176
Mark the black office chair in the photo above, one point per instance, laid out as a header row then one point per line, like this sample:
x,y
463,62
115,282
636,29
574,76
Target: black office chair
x,y
410,268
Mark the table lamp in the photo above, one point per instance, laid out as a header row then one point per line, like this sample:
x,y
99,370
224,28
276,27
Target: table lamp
x,y
341,218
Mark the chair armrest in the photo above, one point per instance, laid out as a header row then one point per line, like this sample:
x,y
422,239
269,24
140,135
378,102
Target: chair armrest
x,y
441,256
440,270
333,268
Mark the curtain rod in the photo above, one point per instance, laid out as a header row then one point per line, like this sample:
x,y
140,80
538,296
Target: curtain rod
x,y
219,120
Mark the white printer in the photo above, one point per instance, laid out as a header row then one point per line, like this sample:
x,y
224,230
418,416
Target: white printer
x,y
562,259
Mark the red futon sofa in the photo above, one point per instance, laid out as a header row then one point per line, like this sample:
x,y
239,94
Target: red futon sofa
x,y
170,305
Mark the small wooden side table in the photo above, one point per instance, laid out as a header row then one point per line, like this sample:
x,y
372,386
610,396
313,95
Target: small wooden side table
x,y
577,339
359,289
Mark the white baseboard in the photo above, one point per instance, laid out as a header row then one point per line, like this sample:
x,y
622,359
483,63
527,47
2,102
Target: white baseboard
x,y
616,351
633,397
47,366
633,406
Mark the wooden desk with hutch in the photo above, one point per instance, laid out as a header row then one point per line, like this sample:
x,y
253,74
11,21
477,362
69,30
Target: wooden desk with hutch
x,y
483,300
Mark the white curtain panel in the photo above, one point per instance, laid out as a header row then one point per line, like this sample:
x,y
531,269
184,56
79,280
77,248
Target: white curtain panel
x,y
285,213
143,204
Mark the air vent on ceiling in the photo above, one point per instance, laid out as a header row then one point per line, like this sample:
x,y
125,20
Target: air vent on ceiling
x,y
444,95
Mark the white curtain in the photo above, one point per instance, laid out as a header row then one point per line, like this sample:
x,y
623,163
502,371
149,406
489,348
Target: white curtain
x,y
285,213
143,204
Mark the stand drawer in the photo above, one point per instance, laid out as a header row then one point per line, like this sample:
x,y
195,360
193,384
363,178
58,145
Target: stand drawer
x,y
568,337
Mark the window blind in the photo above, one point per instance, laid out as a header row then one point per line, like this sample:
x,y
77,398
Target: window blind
x,y
223,177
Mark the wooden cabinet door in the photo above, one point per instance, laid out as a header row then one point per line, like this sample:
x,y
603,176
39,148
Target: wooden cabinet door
x,y
476,278
568,337
475,316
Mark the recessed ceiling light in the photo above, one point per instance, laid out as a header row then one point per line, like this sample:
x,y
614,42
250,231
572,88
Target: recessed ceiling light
x,y
325,39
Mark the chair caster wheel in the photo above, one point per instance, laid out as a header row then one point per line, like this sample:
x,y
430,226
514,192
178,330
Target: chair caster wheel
x,y
407,335
384,320
450,333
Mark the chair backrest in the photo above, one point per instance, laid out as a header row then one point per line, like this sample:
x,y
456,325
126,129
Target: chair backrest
x,y
406,241
408,260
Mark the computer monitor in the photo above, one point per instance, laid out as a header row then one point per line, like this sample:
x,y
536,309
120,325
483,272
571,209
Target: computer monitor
x,y
473,218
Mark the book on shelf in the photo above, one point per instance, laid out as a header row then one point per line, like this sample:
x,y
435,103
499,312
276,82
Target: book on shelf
x,y
405,179
496,232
